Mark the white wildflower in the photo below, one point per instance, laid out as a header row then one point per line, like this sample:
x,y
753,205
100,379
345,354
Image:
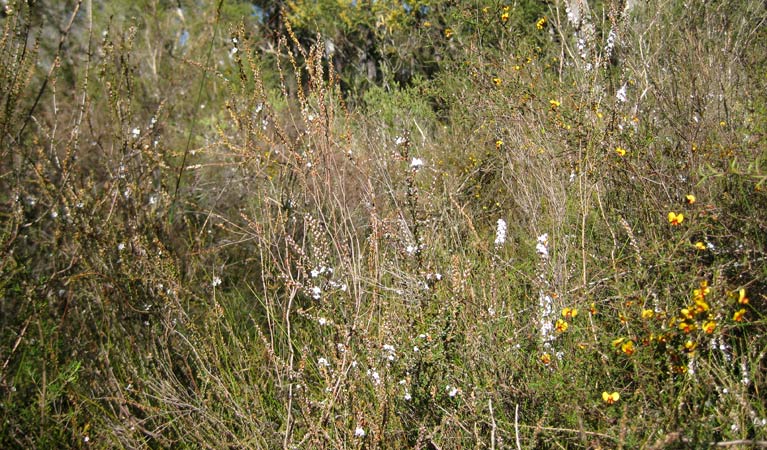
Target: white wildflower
x,y
542,246
216,281
390,352
416,163
322,321
316,292
621,94
375,376
135,132
500,233
452,391
322,362
359,432
400,140
610,42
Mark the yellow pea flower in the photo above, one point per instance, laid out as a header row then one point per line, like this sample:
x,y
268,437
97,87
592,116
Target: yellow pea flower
x,y
687,327
738,316
742,299
540,23
690,199
620,151
610,398
675,219
569,313
628,348
700,245
561,326
648,313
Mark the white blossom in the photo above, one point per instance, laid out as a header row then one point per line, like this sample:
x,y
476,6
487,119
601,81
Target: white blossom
x,y
542,246
500,233
416,163
621,94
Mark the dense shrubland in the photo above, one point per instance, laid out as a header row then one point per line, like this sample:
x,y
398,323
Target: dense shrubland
x,y
383,225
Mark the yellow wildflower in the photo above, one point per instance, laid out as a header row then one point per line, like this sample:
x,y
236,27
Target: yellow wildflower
x,y
546,358
738,316
687,327
540,23
690,346
610,398
504,16
690,199
569,313
561,326
648,313
675,219
709,326
742,299
620,151
554,104
628,348
497,81
448,33
498,144
624,320
701,306
700,245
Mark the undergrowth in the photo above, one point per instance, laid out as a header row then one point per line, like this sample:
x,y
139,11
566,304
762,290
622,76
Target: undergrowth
x,y
552,236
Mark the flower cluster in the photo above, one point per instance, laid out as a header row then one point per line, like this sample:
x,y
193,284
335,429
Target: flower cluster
x,y
694,327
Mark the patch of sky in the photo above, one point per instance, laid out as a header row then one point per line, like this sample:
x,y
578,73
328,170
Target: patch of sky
x,y
184,38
